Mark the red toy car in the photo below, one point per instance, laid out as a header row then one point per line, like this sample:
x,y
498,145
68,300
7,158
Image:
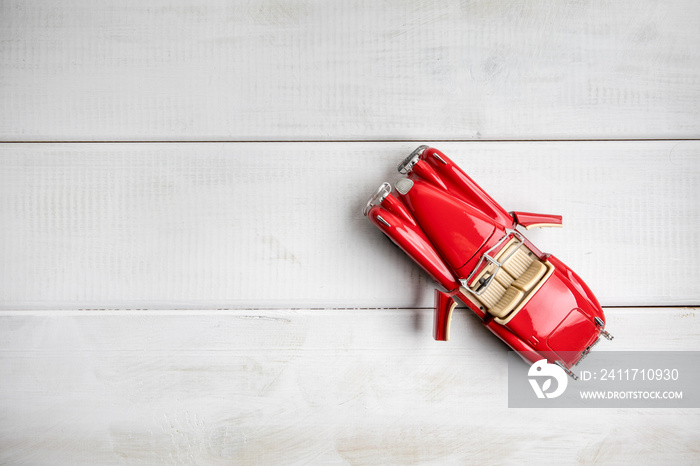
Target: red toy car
x,y
470,245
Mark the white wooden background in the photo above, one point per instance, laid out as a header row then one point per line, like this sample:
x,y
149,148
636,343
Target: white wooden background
x,y
185,275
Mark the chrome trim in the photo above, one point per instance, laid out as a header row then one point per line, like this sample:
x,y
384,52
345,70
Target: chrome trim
x,y
379,195
487,258
587,351
439,158
408,163
379,217
599,322
569,372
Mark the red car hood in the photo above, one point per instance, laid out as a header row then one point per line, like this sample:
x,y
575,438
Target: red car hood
x,y
455,228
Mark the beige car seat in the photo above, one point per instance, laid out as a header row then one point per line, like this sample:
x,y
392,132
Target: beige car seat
x,y
519,273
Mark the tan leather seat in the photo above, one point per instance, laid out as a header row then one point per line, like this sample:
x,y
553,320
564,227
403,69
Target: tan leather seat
x,y
518,262
532,275
507,303
503,277
492,294
519,273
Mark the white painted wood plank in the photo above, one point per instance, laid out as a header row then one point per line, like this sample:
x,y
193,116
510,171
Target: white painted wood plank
x,y
279,224
300,70
307,386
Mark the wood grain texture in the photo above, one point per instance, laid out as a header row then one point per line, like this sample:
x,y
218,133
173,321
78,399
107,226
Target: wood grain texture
x,y
279,225
307,386
171,237
317,70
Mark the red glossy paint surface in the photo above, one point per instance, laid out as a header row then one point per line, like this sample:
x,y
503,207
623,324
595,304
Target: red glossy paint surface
x,y
462,186
414,243
571,334
444,304
456,229
466,269
398,208
446,222
528,219
425,172
546,314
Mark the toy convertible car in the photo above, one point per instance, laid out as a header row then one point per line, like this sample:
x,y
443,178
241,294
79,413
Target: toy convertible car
x,y
470,245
